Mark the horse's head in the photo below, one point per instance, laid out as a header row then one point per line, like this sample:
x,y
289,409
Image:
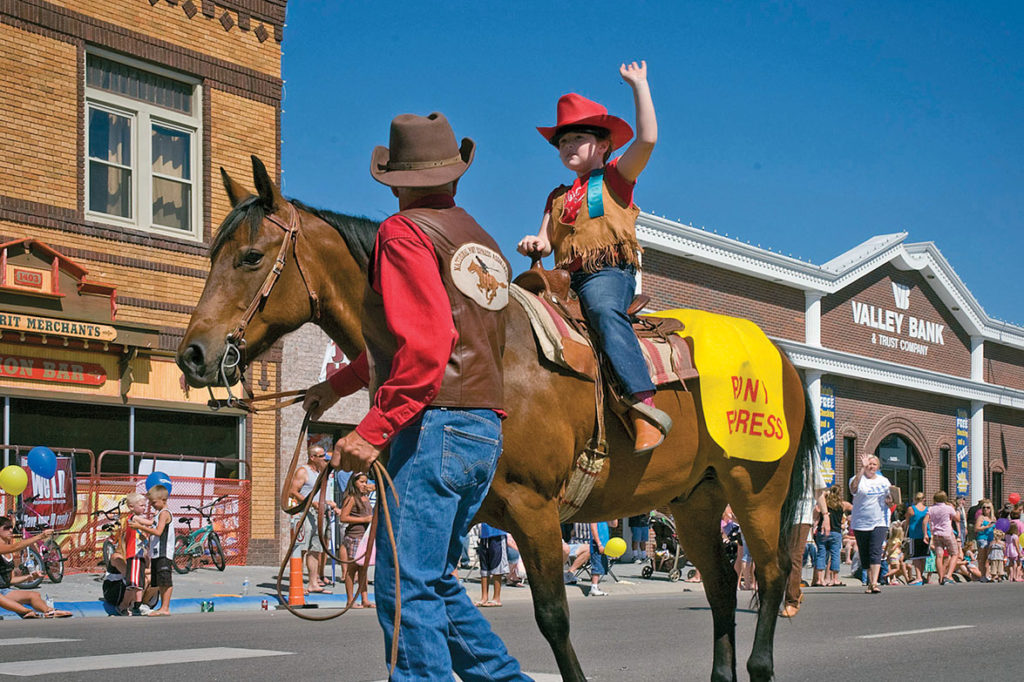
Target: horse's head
x,y
242,298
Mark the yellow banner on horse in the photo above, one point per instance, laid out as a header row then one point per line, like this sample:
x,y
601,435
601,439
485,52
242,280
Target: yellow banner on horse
x,y
740,384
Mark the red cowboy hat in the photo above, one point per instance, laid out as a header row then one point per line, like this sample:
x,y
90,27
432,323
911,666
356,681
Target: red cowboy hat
x,y
577,110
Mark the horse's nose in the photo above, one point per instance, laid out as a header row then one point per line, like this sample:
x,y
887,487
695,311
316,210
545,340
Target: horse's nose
x,y
192,361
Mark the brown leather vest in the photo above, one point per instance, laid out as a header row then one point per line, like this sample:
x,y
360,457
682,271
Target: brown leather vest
x,y
475,275
597,242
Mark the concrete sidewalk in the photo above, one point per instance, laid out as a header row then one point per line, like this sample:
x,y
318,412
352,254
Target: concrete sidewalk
x,y
80,593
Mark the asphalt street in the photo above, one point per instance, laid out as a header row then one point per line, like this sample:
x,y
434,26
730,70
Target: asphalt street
x,y
955,632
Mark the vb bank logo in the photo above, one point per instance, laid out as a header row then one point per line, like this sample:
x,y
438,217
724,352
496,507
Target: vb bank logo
x,y
901,295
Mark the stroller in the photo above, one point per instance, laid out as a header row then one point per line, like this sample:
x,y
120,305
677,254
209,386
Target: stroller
x,y
668,554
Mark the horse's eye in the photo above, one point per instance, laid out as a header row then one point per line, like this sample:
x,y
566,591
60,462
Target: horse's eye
x,y
252,257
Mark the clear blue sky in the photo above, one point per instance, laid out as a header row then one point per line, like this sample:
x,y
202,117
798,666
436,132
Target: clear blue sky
x,y
803,127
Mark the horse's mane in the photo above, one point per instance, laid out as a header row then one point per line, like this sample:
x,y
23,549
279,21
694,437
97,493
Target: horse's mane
x,y
358,232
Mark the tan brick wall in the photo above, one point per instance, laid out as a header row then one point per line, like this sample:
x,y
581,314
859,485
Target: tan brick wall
x,y
839,331
264,463
241,127
39,118
169,22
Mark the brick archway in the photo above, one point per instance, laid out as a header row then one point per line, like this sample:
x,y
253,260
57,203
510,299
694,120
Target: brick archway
x,y
897,423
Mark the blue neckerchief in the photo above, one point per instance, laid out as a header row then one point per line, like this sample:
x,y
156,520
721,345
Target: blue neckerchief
x,y
595,198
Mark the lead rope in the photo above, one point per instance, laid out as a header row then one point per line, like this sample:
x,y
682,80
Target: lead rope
x,y
300,509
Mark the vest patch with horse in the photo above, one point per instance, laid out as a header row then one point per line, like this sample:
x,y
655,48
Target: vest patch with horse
x,y
741,384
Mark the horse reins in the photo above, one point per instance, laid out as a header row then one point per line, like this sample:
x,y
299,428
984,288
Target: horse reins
x,y
233,357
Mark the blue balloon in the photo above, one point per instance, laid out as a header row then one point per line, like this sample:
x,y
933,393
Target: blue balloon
x,y
42,461
158,478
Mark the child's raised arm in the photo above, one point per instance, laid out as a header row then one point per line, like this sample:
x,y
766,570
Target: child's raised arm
x,y
634,160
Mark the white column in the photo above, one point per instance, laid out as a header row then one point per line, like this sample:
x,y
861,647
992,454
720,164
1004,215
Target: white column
x,y
977,358
977,450
814,391
812,318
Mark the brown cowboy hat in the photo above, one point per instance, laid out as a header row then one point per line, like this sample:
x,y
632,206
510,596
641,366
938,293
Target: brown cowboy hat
x,y
421,153
577,111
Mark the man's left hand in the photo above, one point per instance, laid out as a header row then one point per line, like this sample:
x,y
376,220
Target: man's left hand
x,y
354,453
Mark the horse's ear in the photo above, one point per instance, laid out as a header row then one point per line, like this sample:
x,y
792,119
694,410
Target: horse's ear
x,y
236,193
270,195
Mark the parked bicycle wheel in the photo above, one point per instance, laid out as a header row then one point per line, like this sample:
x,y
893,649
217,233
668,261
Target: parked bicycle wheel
x,y
217,552
53,560
182,558
108,551
30,563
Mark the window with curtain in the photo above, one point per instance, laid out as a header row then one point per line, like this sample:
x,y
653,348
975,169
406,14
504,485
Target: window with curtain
x,y
143,137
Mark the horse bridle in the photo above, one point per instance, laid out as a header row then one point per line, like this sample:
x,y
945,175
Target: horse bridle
x,y
234,344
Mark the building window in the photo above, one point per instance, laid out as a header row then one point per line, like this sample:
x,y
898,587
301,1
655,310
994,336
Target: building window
x,y
109,427
143,136
944,471
901,464
997,489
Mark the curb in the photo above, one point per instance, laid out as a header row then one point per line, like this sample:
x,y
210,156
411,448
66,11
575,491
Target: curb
x,y
100,609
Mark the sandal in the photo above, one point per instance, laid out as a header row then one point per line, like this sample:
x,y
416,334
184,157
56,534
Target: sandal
x,y
57,614
30,615
876,590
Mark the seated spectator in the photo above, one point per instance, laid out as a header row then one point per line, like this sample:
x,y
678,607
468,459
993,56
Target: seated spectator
x,y
116,594
576,555
25,603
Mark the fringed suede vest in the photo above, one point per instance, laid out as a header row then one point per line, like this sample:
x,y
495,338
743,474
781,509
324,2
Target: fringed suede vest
x,y
607,239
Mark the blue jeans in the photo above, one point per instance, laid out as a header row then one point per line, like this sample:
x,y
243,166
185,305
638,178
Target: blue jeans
x,y
829,547
442,466
605,296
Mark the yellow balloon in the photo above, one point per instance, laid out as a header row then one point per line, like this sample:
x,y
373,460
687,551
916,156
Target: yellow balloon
x,y
615,548
13,479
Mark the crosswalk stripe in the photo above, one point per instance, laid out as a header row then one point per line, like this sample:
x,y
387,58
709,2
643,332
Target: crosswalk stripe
x,y
26,641
51,666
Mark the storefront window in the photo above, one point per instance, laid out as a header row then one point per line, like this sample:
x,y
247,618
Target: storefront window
x,y
70,425
108,427
189,433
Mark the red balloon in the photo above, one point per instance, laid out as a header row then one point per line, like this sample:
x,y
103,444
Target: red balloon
x,y
1014,498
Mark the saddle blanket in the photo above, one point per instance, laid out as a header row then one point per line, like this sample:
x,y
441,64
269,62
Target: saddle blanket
x,y
740,382
560,343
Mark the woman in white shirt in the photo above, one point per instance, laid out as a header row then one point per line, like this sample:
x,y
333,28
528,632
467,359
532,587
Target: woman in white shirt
x,y
870,517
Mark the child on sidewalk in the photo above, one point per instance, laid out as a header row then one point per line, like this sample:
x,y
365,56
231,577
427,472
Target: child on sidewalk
x,y
997,557
135,550
161,547
591,227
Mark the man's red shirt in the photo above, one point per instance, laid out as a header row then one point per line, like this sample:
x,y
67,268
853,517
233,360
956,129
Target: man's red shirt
x,y
405,271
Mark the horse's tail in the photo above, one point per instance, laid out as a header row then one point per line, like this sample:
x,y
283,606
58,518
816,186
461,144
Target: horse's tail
x,y
798,478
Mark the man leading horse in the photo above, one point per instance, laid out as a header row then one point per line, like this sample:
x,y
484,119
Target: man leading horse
x,y
434,341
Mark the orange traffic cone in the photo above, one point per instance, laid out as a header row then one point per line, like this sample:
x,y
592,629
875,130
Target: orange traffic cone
x,y
296,595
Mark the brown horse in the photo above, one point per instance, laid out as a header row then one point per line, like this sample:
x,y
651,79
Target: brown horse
x,y
551,418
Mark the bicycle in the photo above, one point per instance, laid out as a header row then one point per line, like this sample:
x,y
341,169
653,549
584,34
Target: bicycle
x,y
41,557
190,548
113,516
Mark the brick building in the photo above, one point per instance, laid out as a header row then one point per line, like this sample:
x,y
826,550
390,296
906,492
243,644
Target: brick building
x,y
901,359
117,116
